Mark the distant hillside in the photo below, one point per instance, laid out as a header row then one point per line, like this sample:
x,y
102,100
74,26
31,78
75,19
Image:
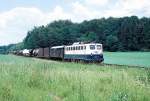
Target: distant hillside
x,y
11,47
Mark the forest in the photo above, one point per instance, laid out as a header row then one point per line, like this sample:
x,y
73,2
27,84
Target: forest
x,y
116,34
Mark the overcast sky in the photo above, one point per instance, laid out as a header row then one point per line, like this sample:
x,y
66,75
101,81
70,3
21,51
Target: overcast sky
x,y
19,16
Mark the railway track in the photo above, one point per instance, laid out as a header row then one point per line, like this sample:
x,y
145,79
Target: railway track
x,y
107,64
119,65
101,64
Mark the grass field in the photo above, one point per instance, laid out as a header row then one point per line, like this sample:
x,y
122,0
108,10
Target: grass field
x,y
128,58
30,79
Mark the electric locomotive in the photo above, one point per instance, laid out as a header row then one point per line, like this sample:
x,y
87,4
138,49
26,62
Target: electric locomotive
x,y
87,52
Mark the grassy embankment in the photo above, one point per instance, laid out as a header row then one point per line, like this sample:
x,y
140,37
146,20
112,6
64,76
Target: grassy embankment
x,y
30,79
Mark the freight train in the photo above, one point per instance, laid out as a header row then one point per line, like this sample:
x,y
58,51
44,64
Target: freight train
x,y
91,52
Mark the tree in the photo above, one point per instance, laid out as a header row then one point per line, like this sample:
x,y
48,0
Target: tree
x,y
112,43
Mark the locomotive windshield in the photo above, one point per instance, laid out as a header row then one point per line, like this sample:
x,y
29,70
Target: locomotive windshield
x,y
92,47
98,47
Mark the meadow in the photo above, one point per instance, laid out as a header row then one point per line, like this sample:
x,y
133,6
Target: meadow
x,y
141,59
31,79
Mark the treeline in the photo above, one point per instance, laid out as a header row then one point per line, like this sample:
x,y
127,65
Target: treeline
x,y
12,47
116,34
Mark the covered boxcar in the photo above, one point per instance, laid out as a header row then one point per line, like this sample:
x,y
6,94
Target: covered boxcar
x,y
40,53
57,52
46,52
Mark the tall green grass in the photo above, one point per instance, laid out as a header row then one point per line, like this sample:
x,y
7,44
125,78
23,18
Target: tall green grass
x,y
30,79
128,58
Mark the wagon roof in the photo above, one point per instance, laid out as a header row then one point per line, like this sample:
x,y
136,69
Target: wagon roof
x,y
57,47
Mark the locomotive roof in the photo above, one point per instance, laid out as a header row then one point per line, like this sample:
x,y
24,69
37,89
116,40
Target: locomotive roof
x,y
75,45
85,44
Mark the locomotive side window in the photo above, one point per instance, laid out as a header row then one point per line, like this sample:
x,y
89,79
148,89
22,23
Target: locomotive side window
x,y
92,47
81,47
73,48
84,47
76,48
98,47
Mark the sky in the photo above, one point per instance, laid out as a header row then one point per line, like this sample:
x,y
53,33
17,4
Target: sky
x,y
17,17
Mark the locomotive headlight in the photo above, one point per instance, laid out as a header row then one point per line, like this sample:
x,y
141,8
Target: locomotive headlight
x,y
95,52
91,54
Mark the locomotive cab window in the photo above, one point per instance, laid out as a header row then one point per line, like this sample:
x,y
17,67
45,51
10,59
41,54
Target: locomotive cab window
x,y
92,47
98,47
